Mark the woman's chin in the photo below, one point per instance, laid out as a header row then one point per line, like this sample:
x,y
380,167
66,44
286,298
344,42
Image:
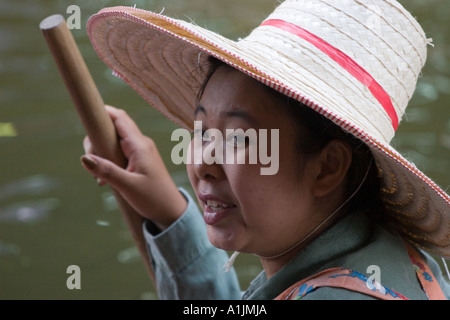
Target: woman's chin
x,y
223,239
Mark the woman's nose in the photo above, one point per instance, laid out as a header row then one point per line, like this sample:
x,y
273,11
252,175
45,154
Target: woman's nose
x,y
209,172
207,161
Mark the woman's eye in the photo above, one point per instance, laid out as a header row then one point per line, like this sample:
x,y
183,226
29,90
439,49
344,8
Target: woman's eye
x,y
238,140
198,133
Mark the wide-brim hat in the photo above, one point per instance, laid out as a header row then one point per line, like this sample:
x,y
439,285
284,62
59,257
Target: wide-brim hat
x,y
355,62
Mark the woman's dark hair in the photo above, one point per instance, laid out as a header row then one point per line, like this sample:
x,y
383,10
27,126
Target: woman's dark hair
x,y
314,133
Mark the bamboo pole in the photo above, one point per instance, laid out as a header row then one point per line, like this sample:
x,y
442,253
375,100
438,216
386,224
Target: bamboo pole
x,y
93,115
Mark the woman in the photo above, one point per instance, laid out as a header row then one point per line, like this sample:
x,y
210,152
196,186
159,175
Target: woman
x,y
341,201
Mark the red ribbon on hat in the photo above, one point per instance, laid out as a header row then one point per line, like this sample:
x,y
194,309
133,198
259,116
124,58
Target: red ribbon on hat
x,y
344,61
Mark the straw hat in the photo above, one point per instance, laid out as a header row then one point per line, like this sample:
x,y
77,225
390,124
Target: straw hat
x,y
355,62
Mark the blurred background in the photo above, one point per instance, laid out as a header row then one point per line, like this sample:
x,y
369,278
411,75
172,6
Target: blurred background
x,y
53,214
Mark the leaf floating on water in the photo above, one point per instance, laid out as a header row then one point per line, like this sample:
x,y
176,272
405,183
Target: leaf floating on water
x,y
7,129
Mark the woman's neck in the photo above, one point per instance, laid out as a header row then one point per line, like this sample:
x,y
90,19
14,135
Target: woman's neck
x,y
273,265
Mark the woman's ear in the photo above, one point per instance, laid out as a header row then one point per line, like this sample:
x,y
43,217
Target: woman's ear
x,y
331,167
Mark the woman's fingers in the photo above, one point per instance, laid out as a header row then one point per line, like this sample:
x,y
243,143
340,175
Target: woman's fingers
x,y
106,171
127,130
88,149
145,184
130,139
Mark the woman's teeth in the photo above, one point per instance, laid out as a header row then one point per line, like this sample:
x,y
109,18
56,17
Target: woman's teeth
x,y
214,205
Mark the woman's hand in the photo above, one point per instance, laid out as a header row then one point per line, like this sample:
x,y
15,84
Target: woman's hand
x,y
145,183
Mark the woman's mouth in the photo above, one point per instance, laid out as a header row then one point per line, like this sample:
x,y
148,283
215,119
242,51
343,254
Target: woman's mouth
x,y
215,209
215,206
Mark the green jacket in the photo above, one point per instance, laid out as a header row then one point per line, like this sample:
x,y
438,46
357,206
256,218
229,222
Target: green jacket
x,y
187,266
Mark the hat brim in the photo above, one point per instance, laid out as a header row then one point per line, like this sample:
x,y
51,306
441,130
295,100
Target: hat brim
x,y
166,62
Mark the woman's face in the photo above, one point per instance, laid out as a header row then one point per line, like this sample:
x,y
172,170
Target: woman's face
x,y
244,210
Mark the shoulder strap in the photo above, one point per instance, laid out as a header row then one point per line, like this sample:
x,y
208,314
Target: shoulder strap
x,y
358,282
426,278
339,278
